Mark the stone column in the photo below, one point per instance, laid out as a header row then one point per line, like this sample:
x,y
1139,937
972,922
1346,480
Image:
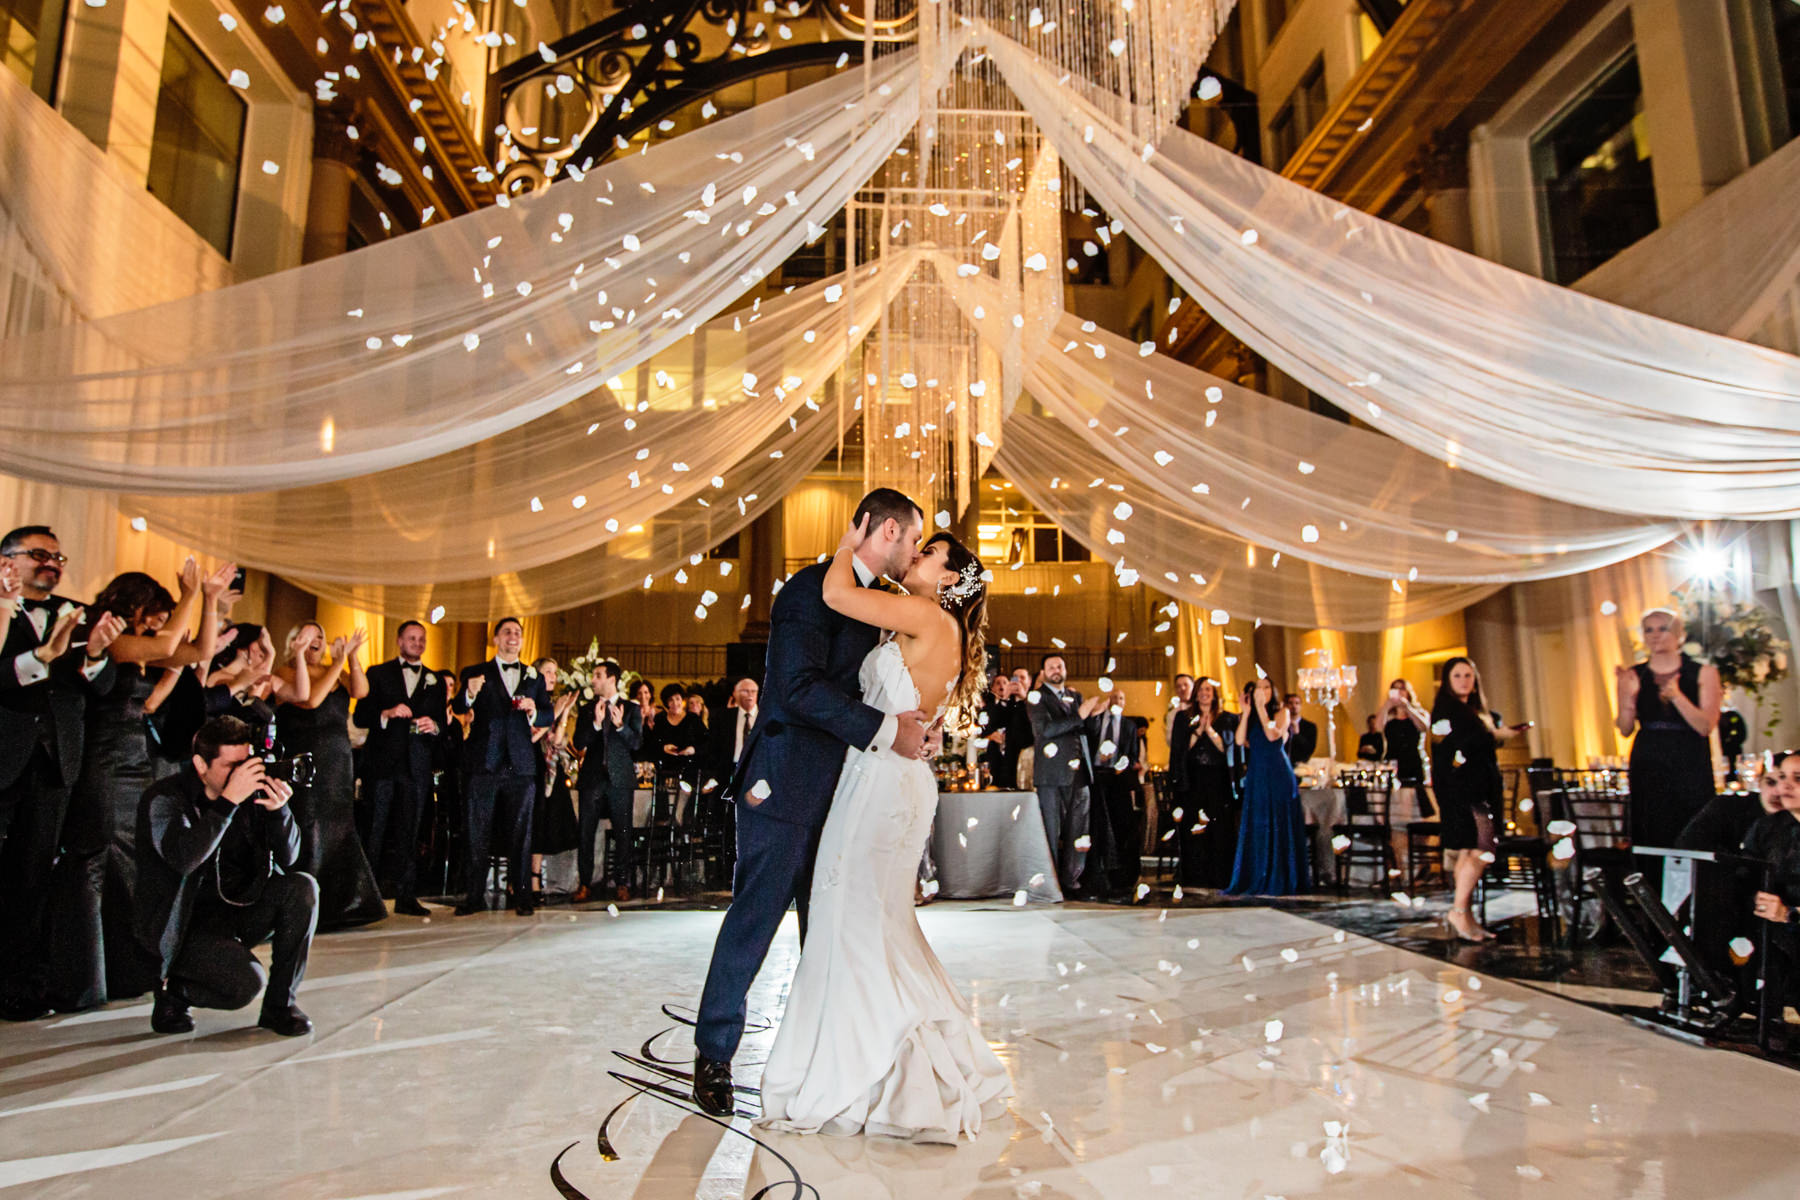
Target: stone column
x,y
333,178
1442,166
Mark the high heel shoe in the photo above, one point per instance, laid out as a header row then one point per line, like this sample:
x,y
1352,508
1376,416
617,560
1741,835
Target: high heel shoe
x,y
1473,933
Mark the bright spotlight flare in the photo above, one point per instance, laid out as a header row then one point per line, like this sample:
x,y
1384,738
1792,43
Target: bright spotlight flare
x,y
1707,561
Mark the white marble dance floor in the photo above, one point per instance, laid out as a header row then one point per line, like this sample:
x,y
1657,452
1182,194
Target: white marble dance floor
x,y
1223,1052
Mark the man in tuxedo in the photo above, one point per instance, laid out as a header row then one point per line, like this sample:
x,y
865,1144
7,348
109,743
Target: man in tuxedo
x,y
1116,745
53,659
402,711
1303,735
1184,692
1062,770
608,733
217,846
1019,738
728,735
789,772
996,710
507,699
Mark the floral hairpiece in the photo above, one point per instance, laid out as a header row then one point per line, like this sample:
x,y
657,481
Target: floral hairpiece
x,y
968,582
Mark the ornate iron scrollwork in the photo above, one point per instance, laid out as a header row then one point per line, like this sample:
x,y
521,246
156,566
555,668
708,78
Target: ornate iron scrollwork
x,y
632,71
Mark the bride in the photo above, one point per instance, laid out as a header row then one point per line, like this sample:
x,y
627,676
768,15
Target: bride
x,y
876,1039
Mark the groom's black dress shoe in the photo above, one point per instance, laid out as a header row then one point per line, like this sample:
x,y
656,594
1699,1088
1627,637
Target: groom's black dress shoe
x,y
712,1087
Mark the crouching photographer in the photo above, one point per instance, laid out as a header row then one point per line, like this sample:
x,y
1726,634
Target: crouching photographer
x,y
216,847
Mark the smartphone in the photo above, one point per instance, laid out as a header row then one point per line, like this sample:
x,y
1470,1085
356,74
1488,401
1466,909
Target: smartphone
x,y
237,582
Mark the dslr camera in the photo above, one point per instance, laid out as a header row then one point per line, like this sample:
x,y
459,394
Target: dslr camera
x,y
296,771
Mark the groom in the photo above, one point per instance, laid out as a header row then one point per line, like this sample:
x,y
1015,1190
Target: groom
x,y
812,713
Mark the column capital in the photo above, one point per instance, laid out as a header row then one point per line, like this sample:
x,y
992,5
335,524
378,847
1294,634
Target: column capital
x,y
331,134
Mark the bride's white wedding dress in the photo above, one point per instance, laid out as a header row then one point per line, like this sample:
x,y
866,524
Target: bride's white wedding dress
x,y
876,1039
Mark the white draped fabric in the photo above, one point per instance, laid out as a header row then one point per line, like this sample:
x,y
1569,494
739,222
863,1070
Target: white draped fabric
x,y
1158,541
678,537
463,330
674,429
1516,379
1295,481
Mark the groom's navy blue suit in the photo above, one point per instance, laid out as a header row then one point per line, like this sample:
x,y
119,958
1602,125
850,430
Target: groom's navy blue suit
x,y
812,710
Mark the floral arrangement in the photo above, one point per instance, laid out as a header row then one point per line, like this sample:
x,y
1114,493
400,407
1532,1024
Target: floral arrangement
x,y
1737,639
578,676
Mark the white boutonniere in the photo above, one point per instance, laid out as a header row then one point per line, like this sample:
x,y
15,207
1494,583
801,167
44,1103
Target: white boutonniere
x,y
66,609
430,679
531,672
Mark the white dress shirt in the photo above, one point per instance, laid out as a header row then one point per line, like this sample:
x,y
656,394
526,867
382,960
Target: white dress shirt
x,y
28,668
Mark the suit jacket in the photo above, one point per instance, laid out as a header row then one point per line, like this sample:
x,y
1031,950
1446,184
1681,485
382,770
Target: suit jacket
x,y
811,708
1128,747
717,761
53,710
608,753
1304,743
396,752
181,846
1057,722
500,735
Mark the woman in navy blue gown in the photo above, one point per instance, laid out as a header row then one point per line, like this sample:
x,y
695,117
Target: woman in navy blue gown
x,y
1272,853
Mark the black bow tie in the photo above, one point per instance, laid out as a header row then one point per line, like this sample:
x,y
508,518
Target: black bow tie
x,y
412,668
510,668
27,605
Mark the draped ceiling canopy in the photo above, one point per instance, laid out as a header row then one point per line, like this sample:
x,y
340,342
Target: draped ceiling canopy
x,y
550,401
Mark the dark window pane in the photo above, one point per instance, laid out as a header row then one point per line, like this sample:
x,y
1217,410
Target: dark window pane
x,y
1593,169
1073,551
30,32
1275,15
198,146
1043,546
1786,14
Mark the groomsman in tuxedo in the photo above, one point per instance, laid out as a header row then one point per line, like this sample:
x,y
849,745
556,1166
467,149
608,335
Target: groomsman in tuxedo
x,y
608,733
1116,743
1062,770
402,713
51,662
507,699
1302,735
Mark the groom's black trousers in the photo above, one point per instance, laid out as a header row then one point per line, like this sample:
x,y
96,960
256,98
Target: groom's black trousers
x,y
774,869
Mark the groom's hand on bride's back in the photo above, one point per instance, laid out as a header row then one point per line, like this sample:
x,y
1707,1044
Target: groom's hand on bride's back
x,y
909,737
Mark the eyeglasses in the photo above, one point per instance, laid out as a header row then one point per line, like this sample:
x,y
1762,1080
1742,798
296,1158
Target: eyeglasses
x,y
42,557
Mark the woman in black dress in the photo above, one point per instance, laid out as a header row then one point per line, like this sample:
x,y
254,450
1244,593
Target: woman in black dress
x,y
1465,769
1404,724
1672,701
677,738
325,810
96,951
1209,822
1775,838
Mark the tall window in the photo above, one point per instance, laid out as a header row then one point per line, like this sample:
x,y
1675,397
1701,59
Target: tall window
x,y
1301,114
198,146
1591,165
1786,15
30,38
1275,15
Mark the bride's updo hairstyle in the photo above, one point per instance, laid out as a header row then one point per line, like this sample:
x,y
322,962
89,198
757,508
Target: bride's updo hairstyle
x,y
965,598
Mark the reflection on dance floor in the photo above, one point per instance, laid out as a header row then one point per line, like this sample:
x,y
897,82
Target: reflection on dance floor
x,y
1218,1052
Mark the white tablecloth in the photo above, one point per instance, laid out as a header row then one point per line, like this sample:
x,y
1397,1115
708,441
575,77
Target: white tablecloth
x,y
1001,853
1325,808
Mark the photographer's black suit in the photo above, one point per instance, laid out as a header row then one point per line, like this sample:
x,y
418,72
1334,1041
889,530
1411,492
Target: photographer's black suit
x,y
608,781
396,767
502,766
42,726
214,882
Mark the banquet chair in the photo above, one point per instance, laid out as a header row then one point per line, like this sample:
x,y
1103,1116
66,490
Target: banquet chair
x,y
1368,797
1598,804
1168,835
1521,854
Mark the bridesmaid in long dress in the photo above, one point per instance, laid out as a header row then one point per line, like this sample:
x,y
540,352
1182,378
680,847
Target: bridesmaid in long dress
x,y
97,957
325,810
1672,702
1208,856
1272,853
